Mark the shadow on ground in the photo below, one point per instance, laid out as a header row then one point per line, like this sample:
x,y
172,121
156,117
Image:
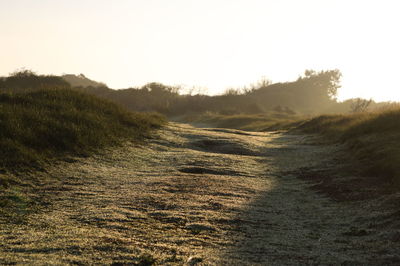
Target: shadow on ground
x,y
297,223
198,196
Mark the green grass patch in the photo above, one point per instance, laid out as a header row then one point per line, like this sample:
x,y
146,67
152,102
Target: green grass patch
x,y
44,124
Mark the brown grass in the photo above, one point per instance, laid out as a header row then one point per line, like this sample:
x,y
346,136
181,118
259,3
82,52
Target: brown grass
x,y
372,138
250,122
43,126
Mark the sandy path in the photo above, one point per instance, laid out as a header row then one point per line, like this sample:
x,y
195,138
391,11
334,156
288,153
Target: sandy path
x,y
216,197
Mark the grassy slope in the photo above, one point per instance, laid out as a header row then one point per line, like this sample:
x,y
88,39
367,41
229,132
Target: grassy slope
x,y
250,122
373,138
47,123
39,126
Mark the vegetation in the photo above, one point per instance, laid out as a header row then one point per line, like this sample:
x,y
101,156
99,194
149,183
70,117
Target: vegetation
x,y
372,137
251,122
42,119
312,93
81,81
47,123
360,105
24,80
266,106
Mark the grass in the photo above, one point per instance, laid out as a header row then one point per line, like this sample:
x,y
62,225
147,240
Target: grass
x,y
373,138
250,122
41,126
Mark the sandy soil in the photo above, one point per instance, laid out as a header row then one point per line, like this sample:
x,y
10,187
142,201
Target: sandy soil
x,y
205,197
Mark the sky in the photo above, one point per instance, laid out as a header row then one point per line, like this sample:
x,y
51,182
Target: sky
x,y
213,44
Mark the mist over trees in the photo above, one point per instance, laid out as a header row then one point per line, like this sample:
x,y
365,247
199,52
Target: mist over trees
x,y
312,93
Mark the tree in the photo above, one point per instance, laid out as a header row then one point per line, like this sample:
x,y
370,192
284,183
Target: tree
x,y
23,73
327,82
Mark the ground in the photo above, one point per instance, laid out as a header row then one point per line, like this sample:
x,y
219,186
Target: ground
x,y
201,196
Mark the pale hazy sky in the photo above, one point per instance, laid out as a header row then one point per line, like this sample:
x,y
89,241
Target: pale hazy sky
x,y
206,43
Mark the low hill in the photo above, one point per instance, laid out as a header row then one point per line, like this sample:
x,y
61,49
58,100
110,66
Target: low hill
x,y
44,121
81,81
48,123
372,139
25,80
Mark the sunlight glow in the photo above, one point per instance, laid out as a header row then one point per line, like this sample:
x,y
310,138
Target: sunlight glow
x,y
213,44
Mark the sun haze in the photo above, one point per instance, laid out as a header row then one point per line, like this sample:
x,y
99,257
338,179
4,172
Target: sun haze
x,y
212,44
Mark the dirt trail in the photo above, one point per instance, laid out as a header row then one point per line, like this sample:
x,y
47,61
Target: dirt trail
x,y
206,196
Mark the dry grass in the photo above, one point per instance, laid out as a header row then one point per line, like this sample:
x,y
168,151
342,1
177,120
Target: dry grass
x,y
39,127
48,123
222,197
373,138
136,205
250,122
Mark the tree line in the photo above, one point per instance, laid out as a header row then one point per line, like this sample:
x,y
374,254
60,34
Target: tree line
x,y
314,92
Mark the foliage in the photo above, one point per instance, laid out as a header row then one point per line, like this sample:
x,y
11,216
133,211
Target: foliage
x,y
326,82
314,92
27,80
48,123
42,119
360,105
